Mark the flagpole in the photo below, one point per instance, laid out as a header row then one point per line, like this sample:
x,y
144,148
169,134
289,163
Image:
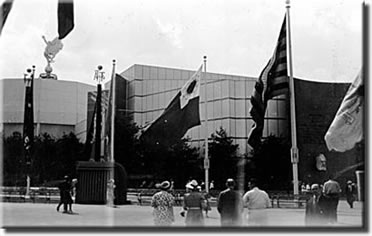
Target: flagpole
x,y
111,183
294,149
206,157
113,94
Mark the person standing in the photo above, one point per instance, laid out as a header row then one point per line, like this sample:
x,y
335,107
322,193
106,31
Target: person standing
x,y
110,196
163,203
230,205
65,193
313,214
350,193
256,200
193,203
330,199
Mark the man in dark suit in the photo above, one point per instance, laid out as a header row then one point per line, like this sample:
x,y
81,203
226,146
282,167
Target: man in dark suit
x,y
230,205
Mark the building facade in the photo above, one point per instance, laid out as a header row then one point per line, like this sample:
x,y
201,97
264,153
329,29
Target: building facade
x,y
151,89
59,107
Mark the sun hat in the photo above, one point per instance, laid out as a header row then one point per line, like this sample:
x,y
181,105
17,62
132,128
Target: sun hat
x,y
192,184
314,186
163,185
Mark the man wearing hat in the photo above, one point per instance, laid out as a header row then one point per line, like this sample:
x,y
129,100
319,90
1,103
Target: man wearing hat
x,y
194,203
350,193
313,213
230,205
163,203
65,193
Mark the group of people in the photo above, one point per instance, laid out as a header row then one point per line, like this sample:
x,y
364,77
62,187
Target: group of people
x,y
230,205
321,207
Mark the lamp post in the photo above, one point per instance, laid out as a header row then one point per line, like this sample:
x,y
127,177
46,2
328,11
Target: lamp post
x,y
99,77
28,124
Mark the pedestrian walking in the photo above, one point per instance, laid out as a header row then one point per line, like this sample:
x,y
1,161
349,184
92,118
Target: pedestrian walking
x,y
350,192
329,200
230,205
313,213
163,203
193,204
65,195
207,197
256,201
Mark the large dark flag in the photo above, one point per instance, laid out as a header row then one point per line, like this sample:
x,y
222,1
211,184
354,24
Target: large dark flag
x,y
347,127
65,18
6,6
273,81
181,114
28,121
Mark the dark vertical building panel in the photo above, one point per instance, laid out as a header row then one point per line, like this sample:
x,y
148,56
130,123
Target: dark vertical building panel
x,y
316,106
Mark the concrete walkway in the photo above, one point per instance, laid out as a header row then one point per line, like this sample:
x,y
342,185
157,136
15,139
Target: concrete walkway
x,y
45,215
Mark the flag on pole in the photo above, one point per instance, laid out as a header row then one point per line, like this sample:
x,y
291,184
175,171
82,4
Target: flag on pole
x,y
65,18
181,114
273,81
6,6
347,127
28,121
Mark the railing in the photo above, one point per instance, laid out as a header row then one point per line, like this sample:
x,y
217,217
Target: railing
x,y
37,194
136,196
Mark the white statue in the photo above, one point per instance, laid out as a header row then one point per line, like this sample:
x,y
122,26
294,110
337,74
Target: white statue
x,y
52,48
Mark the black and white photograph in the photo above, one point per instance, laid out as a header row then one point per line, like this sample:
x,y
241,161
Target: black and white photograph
x,y
184,116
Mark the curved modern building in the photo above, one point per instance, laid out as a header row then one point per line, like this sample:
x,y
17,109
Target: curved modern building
x,y
60,107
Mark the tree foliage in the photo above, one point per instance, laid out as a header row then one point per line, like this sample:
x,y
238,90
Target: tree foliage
x,y
272,164
223,158
51,160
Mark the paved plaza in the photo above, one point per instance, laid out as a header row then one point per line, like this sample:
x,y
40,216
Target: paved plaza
x,y
45,215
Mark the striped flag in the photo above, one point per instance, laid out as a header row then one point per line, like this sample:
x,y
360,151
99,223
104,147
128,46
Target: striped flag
x,y
273,81
347,127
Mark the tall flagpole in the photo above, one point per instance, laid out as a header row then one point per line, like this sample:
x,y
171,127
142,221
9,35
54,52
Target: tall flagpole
x,y
206,157
113,106
110,190
294,149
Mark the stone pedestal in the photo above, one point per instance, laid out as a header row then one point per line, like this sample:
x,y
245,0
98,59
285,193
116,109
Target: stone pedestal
x,y
92,181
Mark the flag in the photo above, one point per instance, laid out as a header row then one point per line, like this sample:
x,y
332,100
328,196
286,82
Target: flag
x,y
346,128
28,121
180,115
5,9
65,18
273,81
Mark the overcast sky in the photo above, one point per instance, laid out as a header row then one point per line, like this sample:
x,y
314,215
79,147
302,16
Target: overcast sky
x,y
238,36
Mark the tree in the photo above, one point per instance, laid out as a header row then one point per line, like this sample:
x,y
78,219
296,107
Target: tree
x,y
13,160
223,158
272,164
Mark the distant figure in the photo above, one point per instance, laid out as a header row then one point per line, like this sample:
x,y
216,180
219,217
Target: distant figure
x,y
65,193
329,200
110,196
313,214
303,188
163,203
350,192
207,197
193,203
230,205
211,185
256,200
